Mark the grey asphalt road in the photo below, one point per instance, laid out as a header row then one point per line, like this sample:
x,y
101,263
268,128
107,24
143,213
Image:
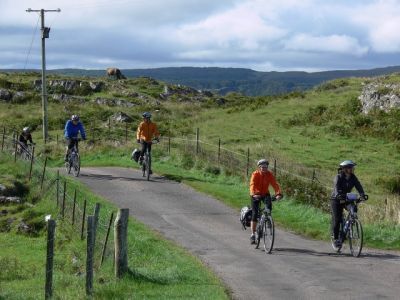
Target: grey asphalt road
x,y
298,268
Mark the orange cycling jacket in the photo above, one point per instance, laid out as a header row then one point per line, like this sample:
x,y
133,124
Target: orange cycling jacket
x,y
260,183
146,131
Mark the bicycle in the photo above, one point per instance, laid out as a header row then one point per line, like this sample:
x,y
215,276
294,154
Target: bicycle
x,y
350,226
25,151
146,162
265,228
73,160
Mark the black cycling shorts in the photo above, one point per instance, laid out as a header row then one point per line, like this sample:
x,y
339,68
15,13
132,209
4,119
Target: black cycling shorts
x,y
71,143
255,206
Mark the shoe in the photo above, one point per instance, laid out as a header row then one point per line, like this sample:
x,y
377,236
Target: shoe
x,y
252,239
151,172
66,158
337,244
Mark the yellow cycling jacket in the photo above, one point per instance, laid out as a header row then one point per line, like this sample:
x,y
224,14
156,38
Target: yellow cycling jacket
x,y
147,131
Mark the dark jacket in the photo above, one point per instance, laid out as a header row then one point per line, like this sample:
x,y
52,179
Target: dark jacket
x,y
72,131
342,185
25,139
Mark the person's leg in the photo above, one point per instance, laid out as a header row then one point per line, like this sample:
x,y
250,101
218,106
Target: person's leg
x,y
69,146
268,202
143,151
255,205
337,214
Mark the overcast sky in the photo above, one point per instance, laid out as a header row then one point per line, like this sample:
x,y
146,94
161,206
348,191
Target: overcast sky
x,y
263,35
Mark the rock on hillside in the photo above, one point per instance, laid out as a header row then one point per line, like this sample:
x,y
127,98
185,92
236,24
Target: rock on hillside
x,y
380,96
70,85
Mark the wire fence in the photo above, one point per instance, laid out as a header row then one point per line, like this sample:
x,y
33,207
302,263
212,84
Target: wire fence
x,y
72,210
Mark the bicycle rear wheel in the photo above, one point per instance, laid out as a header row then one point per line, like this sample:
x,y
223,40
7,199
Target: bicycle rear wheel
x,y
356,238
76,165
269,234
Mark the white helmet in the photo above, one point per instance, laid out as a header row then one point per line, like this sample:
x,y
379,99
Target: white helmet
x,y
262,162
26,130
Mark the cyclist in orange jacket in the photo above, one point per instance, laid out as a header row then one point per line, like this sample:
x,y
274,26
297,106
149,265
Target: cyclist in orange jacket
x,y
260,181
147,130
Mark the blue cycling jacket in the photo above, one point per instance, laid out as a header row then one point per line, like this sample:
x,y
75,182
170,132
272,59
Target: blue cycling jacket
x,y
71,130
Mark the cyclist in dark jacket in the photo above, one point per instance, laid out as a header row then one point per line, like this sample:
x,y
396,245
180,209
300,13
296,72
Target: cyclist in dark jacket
x,y
24,138
344,182
71,131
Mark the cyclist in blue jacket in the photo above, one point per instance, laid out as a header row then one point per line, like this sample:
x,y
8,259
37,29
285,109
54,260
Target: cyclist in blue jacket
x,y
71,131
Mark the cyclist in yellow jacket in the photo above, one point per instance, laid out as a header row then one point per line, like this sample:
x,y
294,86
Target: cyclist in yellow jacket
x,y
147,130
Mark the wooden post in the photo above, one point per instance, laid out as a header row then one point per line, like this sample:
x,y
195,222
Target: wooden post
x,y
57,139
58,188
43,173
4,136
32,159
73,208
96,217
313,176
248,162
103,253
197,140
219,150
109,126
121,242
90,255
63,200
126,132
83,220
51,226
275,167
169,145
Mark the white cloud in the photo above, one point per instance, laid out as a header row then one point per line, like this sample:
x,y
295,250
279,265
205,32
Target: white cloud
x,y
333,43
381,20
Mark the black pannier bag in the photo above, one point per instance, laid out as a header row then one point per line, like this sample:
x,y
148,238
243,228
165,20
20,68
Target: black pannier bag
x,y
245,216
135,155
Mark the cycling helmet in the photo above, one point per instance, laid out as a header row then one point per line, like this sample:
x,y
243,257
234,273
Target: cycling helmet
x,y
262,162
26,130
146,115
348,164
75,118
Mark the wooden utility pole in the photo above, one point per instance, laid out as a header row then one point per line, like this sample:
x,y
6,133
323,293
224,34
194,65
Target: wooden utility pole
x,y
45,35
121,242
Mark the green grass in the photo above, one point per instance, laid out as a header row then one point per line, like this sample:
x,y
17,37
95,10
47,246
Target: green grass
x,y
158,268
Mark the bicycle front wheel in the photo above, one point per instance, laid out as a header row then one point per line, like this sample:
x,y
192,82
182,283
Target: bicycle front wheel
x,y
268,234
76,165
148,167
356,238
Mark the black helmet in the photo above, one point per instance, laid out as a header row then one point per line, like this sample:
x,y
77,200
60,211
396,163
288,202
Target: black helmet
x,y
146,115
26,130
347,164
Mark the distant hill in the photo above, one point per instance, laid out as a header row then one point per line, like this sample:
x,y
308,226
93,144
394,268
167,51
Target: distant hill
x,y
245,81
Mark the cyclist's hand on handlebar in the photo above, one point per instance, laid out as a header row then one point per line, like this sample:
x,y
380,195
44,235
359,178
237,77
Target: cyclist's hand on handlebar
x,y
256,197
138,141
278,197
363,197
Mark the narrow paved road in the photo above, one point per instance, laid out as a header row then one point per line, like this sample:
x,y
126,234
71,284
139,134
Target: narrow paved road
x,y
297,269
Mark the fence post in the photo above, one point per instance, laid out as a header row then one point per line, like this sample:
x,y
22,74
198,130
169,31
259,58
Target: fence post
x,y
219,150
83,220
73,208
169,145
126,132
313,176
106,240
63,200
58,188
90,255
4,135
248,162
32,159
197,140
96,217
51,225
109,126
120,242
275,167
44,172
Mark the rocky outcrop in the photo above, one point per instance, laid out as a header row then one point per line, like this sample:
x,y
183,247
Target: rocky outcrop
x,y
113,102
380,96
121,117
4,200
185,93
70,85
64,98
5,95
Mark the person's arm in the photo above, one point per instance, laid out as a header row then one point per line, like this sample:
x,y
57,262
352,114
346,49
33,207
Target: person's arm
x,y
253,184
336,189
82,130
156,133
358,186
67,129
21,138
275,185
139,131
30,138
